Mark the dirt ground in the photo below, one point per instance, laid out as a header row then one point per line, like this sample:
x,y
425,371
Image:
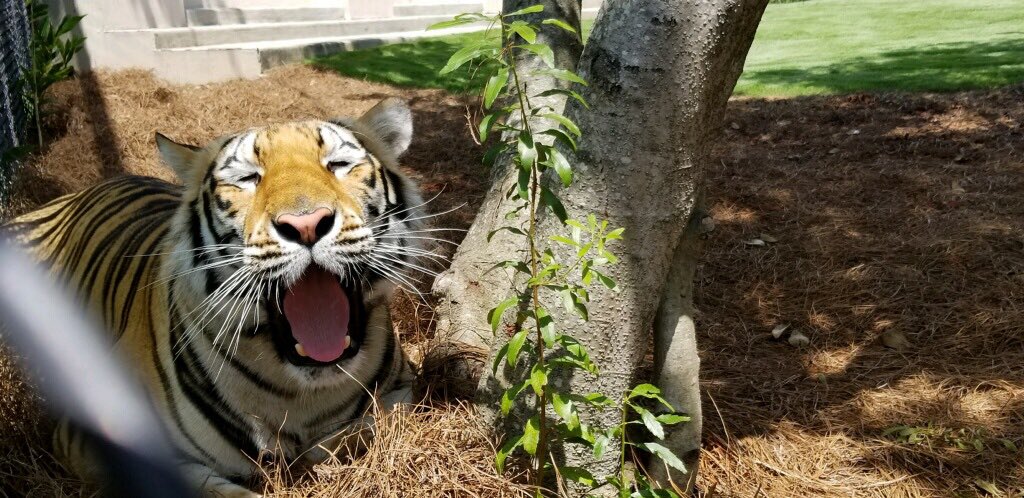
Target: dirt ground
x,y
891,233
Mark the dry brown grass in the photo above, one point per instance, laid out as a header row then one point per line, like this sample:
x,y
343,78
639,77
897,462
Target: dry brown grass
x,y
892,213
434,452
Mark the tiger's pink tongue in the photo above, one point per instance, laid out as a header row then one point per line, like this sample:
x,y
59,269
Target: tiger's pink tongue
x,y
317,310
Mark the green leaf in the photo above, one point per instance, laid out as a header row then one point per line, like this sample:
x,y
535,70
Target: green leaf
x,y
672,418
547,326
566,75
499,357
492,154
523,182
614,234
495,84
569,93
565,240
645,390
540,50
533,9
561,166
568,300
464,55
552,201
651,422
562,405
578,474
600,445
561,24
509,396
665,455
484,128
531,435
524,30
515,344
606,280
505,451
562,137
538,379
494,316
651,392
564,121
527,149
67,24
458,21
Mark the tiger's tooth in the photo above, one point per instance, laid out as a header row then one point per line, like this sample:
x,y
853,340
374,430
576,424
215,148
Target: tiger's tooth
x,y
299,349
348,340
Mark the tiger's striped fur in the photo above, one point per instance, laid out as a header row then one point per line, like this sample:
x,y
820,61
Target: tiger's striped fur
x,y
189,281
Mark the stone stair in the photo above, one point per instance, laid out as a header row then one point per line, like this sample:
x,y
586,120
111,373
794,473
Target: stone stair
x,y
223,43
216,16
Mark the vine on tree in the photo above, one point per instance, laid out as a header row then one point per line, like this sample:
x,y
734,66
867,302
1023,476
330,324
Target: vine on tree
x,y
537,348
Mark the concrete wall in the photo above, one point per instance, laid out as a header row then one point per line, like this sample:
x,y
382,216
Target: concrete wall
x,y
104,16
123,14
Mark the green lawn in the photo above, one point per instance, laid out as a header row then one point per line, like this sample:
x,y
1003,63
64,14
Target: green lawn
x,y
411,64
801,48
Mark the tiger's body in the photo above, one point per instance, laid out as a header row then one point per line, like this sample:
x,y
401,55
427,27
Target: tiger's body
x,y
252,301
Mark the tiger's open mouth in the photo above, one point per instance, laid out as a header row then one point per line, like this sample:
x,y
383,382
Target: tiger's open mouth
x,y
318,321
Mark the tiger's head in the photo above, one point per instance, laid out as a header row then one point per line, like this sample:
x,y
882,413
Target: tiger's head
x,y
298,227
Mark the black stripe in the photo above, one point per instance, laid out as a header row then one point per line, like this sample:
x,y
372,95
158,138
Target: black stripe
x,y
165,381
142,270
254,378
204,395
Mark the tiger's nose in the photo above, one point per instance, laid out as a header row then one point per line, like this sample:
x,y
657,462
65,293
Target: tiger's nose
x,y
305,229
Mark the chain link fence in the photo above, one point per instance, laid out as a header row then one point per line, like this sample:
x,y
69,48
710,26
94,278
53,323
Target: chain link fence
x,y
14,56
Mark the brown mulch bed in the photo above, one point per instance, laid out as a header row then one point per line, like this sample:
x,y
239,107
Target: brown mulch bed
x,y
883,215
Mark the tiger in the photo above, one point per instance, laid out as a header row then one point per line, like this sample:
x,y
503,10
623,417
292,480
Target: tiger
x,y
252,299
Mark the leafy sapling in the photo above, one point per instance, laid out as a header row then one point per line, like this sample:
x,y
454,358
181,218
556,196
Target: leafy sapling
x,y
562,268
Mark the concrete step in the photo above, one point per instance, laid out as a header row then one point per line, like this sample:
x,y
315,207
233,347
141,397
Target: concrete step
x,y
228,15
269,4
438,9
165,38
203,64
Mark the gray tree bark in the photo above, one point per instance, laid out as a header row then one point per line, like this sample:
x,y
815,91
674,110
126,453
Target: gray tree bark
x,y
660,73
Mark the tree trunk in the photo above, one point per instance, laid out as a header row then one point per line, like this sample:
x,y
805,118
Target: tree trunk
x,y
660,73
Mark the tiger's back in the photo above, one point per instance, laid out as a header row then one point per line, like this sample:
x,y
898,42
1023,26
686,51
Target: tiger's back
x,y
103,244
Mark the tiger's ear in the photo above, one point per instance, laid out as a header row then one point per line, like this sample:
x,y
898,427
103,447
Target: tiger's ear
x,y
391,121
177,156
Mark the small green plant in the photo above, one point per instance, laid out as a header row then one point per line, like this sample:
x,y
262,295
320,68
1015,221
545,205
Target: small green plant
x,y
537,351
51,49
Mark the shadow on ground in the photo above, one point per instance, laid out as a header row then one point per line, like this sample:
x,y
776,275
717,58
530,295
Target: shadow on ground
x,y
939,67
895,216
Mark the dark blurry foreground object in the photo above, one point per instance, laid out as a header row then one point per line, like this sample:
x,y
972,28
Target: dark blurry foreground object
x,y
79,377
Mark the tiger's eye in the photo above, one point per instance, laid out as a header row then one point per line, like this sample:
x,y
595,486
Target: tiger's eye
x,y
336,165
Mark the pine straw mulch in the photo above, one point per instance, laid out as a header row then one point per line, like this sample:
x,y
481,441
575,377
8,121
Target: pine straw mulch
x,y
881,215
